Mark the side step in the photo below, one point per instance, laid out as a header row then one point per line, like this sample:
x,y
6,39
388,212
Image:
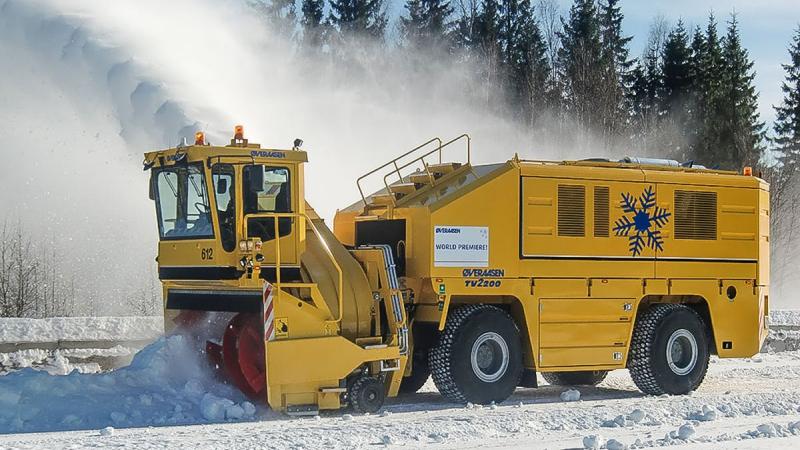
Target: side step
x,y
302,410
442,169
403,188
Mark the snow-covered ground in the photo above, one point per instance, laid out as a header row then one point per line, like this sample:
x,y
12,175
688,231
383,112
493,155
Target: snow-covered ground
x,y
13,330
63,344
785,317
743,403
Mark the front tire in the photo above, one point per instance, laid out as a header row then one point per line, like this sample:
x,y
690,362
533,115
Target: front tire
x,y
669,351
366,395
583,378
479,356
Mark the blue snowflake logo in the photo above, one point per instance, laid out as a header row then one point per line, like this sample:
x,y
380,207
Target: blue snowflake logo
x,y
645,221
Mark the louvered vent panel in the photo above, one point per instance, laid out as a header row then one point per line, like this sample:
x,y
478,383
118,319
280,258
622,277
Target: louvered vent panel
x,y
695,215
601,207
571,210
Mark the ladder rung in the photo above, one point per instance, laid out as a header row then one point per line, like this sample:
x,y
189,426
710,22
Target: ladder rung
x,y
443,168
382,199
419,178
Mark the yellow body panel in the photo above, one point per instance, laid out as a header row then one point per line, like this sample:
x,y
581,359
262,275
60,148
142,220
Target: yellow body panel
x,y
575,290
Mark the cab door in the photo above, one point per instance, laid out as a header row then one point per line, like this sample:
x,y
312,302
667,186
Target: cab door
x,y
270,190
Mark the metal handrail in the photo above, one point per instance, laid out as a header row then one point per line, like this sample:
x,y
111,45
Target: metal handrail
x,y
425,165
394,162
315,230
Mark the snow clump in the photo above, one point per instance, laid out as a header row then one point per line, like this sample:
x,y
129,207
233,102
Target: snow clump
x,y
707,414
686,432
636,416
614,444
571,395
767,429
592,442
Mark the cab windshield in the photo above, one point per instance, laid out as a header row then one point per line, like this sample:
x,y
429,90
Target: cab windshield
x,y
182,203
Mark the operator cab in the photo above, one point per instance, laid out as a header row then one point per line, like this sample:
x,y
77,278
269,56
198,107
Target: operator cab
x,y
219,209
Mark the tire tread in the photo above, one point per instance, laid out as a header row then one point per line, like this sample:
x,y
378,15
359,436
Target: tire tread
x,y
439,357
640,363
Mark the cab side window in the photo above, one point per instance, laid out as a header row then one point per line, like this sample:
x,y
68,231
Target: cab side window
x,y
223,177
267,190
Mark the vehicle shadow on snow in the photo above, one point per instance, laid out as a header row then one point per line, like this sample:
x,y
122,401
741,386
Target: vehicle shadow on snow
x,y
426,401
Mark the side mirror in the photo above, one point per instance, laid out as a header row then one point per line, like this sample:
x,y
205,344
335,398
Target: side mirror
x,y
222,185
152,189
255,176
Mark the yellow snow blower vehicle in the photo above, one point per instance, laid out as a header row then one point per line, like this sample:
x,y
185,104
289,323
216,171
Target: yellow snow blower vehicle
x,y
478,276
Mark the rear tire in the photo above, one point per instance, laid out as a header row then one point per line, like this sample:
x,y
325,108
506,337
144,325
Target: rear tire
x,y
669,351
366,395
583,378
420,372
478,358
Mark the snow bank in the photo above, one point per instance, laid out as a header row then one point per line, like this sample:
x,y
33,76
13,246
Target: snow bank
x,y
14,330
782,341
785,317
165,384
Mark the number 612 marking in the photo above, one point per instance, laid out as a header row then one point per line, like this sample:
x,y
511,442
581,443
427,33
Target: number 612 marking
x,y
207,253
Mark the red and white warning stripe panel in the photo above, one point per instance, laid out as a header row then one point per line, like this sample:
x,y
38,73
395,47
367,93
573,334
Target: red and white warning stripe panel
x,y
269,311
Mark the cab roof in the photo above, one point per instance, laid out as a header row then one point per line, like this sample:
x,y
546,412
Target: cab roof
x,y
240,153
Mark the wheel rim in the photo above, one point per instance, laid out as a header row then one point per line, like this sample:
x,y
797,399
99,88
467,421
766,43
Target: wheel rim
x,y
682,352
489,357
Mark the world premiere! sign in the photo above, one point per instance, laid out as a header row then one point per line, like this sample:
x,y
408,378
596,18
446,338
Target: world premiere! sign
x,y
457,246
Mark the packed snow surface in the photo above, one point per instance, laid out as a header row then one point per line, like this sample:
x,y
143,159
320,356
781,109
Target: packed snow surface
x,y
13,330
743,403
166,384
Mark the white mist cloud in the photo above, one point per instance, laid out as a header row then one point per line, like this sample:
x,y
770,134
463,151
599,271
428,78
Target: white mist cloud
x,y
87,86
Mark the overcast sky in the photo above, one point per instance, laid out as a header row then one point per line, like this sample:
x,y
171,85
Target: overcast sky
x,y
766,26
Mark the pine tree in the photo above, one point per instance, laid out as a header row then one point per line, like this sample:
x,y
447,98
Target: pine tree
x,y
616,63
741,133
465,33
358,17
644,97
784,179
676,69
524,59
787,114
427,23
615,46
676,92
280,15
699,48
580,59
485,44
707,75
313,25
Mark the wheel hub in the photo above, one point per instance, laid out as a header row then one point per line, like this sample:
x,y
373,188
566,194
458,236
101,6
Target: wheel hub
x,y
682,352
489,357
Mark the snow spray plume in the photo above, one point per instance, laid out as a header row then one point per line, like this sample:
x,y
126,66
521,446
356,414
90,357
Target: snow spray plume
x,y
108,83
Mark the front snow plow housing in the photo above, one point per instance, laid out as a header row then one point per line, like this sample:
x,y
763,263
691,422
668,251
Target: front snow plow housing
x,y
291,315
